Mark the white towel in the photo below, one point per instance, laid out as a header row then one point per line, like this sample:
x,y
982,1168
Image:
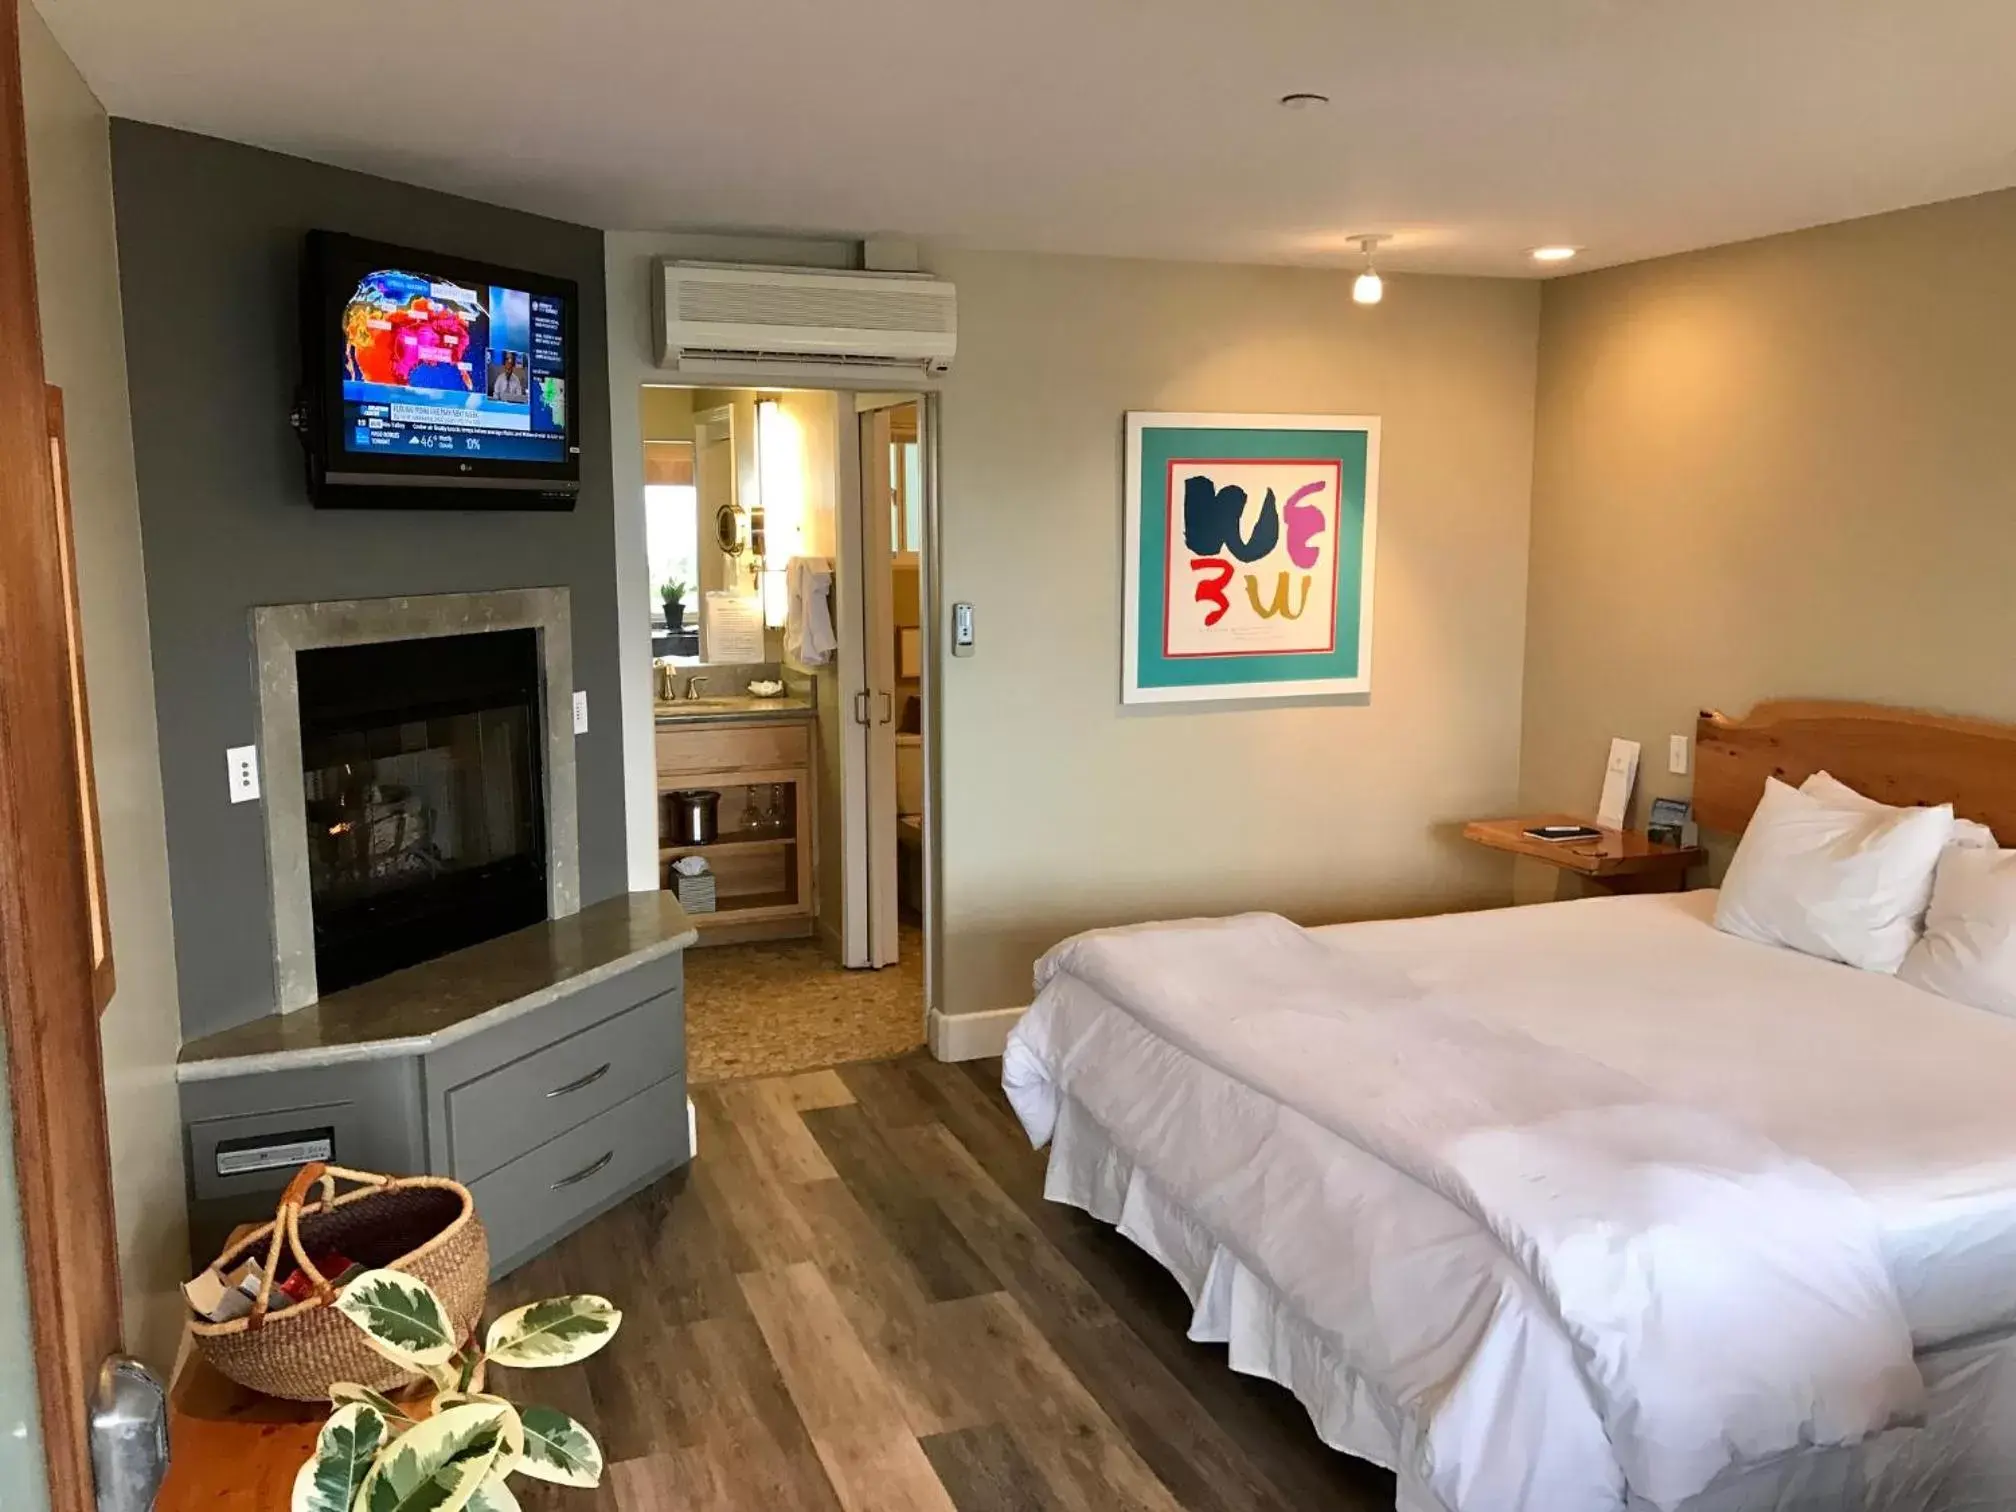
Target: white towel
x,y
808,623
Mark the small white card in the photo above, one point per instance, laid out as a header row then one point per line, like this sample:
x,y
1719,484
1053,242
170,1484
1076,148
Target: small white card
x,y
1618,779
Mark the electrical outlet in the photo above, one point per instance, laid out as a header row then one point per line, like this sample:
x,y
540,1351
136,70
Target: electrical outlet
x,y
242,762
580,711
1677,749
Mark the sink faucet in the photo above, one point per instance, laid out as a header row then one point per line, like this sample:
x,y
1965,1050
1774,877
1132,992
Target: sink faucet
x,y
693,686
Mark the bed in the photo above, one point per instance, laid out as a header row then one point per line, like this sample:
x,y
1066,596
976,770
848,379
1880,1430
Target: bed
x,y
1746,1239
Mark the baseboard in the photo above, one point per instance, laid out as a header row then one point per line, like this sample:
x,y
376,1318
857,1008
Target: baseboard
x,y
971,1036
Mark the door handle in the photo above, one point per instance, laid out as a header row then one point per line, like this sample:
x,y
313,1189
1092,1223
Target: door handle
x,y
888,708
129,1435
861,707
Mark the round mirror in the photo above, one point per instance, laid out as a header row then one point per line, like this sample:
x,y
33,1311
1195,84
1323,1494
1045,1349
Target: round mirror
x,y
728,530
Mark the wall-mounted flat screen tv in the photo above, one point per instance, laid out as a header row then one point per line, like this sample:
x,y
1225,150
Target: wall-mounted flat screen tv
x,y
435,382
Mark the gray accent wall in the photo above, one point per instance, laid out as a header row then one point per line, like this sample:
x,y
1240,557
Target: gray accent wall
x,y
210,237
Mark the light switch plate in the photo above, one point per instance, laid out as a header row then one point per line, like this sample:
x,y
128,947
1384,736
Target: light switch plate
x,y
580,711
243,765
1678,748
962,629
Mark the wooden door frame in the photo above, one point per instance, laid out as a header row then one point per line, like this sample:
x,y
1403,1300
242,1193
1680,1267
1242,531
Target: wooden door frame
x,y
61,1151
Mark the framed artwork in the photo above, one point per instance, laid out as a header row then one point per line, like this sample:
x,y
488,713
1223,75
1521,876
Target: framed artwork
x,y
1249,556
103,978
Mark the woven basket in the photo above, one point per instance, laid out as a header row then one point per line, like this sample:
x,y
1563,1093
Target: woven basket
x,y
425,1226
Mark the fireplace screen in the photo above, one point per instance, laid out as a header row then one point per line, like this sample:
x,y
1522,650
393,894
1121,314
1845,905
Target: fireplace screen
x,y
426,829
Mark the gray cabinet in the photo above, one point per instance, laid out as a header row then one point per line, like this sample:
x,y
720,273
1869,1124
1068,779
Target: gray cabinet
x,y
551,1112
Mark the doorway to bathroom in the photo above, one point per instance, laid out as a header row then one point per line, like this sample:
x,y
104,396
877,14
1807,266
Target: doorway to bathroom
x,y
788,544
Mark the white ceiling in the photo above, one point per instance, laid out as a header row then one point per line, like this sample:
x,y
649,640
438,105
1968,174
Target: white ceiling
x,y
1470,129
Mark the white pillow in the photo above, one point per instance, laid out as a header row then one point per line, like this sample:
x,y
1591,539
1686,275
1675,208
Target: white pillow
x,y
1839,883
1969,949
1831,790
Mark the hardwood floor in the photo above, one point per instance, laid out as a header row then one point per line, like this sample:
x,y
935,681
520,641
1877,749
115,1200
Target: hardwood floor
x,y
856,1300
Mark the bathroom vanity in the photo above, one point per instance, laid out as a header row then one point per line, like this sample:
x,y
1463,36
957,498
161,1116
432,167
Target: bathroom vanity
x,y
758,754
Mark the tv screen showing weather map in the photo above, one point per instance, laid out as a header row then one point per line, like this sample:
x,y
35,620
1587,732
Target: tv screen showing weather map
x,y
436,368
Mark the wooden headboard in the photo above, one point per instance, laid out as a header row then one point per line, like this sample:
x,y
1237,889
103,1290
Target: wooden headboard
x,y
1899,756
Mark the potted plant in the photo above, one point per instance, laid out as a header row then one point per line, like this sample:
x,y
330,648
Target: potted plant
x,y
455,1452
673,591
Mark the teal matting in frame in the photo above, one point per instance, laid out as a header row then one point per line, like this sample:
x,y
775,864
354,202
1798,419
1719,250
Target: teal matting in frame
x,y
1250,544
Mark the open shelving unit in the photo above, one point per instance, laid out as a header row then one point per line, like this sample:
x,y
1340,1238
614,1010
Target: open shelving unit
x,y
763,882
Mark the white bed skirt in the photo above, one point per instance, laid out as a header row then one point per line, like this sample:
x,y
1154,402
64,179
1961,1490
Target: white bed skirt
x,y
1962,1460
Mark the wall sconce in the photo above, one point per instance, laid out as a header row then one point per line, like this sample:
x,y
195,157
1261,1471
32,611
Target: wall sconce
x,y
780,473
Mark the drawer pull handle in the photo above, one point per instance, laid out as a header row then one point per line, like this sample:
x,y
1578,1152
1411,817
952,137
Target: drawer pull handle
x,y
584,1173
582,1081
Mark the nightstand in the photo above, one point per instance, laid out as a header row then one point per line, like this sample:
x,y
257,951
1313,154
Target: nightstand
x,y
1618,860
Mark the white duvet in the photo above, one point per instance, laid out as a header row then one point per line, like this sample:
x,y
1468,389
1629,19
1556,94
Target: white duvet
x,y
1487,1157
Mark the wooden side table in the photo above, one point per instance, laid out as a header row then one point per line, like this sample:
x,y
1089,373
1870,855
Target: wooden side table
x,y
1617,860
232,1450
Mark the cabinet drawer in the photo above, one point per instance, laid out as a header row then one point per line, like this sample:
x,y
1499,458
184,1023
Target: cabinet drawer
x,y
511,1110
543,1194
727,748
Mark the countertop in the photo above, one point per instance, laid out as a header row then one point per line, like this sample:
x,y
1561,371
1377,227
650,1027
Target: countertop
x,y
738,707
424,1007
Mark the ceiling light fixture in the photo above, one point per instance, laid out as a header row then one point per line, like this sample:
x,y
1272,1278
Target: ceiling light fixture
x,y
1368,288
1552,254
1304,99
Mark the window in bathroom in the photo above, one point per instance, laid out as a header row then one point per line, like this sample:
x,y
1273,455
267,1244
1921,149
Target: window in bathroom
x,y
672,541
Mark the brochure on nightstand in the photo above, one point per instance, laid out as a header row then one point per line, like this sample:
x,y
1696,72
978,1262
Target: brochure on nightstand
x,y
1618,779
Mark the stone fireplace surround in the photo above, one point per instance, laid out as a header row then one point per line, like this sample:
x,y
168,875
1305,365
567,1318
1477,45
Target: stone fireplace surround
x,y
281,631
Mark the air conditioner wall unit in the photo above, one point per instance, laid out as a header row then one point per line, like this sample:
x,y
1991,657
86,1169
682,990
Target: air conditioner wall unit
x,y
715,317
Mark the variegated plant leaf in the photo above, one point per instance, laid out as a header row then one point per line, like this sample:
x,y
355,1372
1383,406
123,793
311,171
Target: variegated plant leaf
x,y
438,1465
558,1449
344,1451
493,1496
513,1428
558,1331
345,1392
401,1318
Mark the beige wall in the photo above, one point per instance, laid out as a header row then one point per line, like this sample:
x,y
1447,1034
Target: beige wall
x,y
665,414
1773,469
1061,809
70,179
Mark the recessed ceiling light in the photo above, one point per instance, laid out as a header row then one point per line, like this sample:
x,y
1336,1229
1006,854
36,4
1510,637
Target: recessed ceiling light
x,y
1553,254
1304,100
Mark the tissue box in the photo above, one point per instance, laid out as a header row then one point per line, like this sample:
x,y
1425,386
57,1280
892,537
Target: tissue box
x,y
695,894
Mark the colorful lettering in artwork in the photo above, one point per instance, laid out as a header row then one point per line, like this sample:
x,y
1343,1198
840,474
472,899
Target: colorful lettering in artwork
x,y
1280,604
1211,521
1305,523
1249,575
1217,572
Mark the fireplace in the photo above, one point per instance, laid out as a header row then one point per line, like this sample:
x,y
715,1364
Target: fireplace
x,y
420,773
419,764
